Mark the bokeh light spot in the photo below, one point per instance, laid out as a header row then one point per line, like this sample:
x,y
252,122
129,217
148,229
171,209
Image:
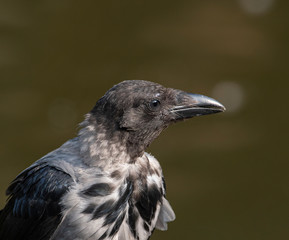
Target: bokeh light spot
x,y
256,6
230,94
62,114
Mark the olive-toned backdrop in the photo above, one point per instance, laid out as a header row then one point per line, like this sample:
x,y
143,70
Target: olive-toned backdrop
x,y
227,174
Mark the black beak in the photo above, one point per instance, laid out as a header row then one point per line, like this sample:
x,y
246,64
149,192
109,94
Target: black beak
x,y
192,105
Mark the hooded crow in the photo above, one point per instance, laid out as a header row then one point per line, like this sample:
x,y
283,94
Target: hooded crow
x,y
102,184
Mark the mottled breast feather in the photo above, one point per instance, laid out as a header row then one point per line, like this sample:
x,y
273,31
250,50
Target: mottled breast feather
x,y
126,202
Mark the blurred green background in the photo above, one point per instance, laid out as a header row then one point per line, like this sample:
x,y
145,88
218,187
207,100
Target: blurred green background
x,y
227,174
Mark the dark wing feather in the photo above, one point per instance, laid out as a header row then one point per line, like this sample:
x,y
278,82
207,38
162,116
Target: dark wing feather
x,y
33,209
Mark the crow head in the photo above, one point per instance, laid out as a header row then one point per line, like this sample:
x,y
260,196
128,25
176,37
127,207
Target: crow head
x,y
137,111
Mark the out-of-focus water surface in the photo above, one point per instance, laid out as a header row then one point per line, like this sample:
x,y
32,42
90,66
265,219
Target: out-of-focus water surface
x,y
227,174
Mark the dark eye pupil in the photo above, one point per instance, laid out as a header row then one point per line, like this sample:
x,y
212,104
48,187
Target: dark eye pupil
x,y
155,103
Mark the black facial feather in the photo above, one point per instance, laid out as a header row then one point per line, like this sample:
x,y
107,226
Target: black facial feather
x,y
136,118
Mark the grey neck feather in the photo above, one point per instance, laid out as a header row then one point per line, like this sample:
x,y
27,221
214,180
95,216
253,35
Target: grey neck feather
x,y
98,147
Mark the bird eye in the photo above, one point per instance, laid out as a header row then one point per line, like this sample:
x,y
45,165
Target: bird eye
x,y
155,104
